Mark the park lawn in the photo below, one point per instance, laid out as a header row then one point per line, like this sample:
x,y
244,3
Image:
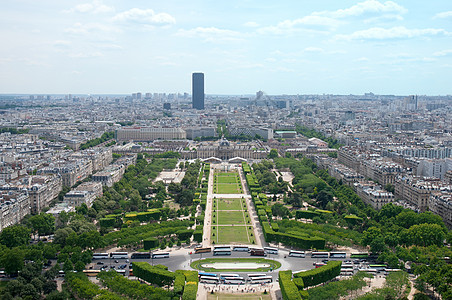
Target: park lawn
x,y
227,179
273,264
255,296
229,204
229,217
228,188
230,235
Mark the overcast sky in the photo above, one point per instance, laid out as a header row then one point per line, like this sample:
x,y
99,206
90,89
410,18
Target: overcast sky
x,y
280,47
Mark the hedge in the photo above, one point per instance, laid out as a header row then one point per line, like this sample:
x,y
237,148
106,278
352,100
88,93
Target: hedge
x,y
288,288
184,234
320,275
107,222
275,226
150,243
303,242
153,274
197,235
179,282
306,214
191,287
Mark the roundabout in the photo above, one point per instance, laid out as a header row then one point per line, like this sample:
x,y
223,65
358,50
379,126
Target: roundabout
x,y
236,264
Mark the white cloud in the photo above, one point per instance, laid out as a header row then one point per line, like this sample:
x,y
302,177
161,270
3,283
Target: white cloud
x,y
365,7
314,49
62,43
94,7
444,14
251,24
399,32
362,59
79,28
144,16
85,55
291,26
211,34
443,53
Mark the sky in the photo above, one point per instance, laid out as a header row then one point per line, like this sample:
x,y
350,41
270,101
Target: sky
x,y
242,46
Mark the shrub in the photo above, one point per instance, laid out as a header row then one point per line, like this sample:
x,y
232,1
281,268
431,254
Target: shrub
x,y
320,275
288,288
153,274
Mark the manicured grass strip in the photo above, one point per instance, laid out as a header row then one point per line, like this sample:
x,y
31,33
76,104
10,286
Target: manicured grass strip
x,y
228,188
229,204
231,235
273,264
255,296
230,217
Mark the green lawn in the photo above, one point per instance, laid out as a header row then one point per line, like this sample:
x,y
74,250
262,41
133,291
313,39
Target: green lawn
x,y
227,179
229,217
197,264
229,204
228,188
231,235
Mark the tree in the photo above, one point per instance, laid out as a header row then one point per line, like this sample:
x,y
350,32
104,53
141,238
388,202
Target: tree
x,y
14,236
273,154
62,234
280,210
425,235
79,266
43,224
12,260
323,198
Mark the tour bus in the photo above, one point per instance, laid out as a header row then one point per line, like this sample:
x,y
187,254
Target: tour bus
x,y
222,251
338,255
378,267
229,275
233,280
130,272
319,254
160,255
262,279
372,271
203,250
209,279
91,273
140,255
207,274
241,248
319,264
2,274
119,255
221,248
122,272
255,275
293,253
359,255
257,252
271,250
100,255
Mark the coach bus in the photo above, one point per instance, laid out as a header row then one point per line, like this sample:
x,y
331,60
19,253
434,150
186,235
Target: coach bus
x,y
378,267
91,273
233,280
271,250
207,274
119,255
255,275
293,253
100,256
229,275
221,248
257,252
262,279
122,272
359,255
160,255
338,255
222,251
319,254
203,250
241,248
140,255
209,279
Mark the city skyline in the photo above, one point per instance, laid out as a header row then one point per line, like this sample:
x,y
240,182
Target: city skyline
x,y
116,47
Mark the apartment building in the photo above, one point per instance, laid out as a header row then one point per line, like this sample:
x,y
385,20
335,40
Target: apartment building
x,y
147,134
440,203
109,175
14,205
373,194
86,193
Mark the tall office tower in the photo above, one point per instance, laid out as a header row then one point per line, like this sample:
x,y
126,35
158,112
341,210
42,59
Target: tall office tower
x,y
198,90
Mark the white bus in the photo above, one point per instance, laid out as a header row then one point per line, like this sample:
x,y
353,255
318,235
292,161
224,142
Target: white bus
x,y
338,255
119,255
233,280
222,248
256,275
209,279
222,251
293,253
271,250
372,271
319,254
100,256
241,248
160,255
347,266
122,272
262,279
229,275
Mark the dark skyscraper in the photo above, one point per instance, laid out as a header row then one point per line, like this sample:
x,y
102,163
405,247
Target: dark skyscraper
x,y
198,90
